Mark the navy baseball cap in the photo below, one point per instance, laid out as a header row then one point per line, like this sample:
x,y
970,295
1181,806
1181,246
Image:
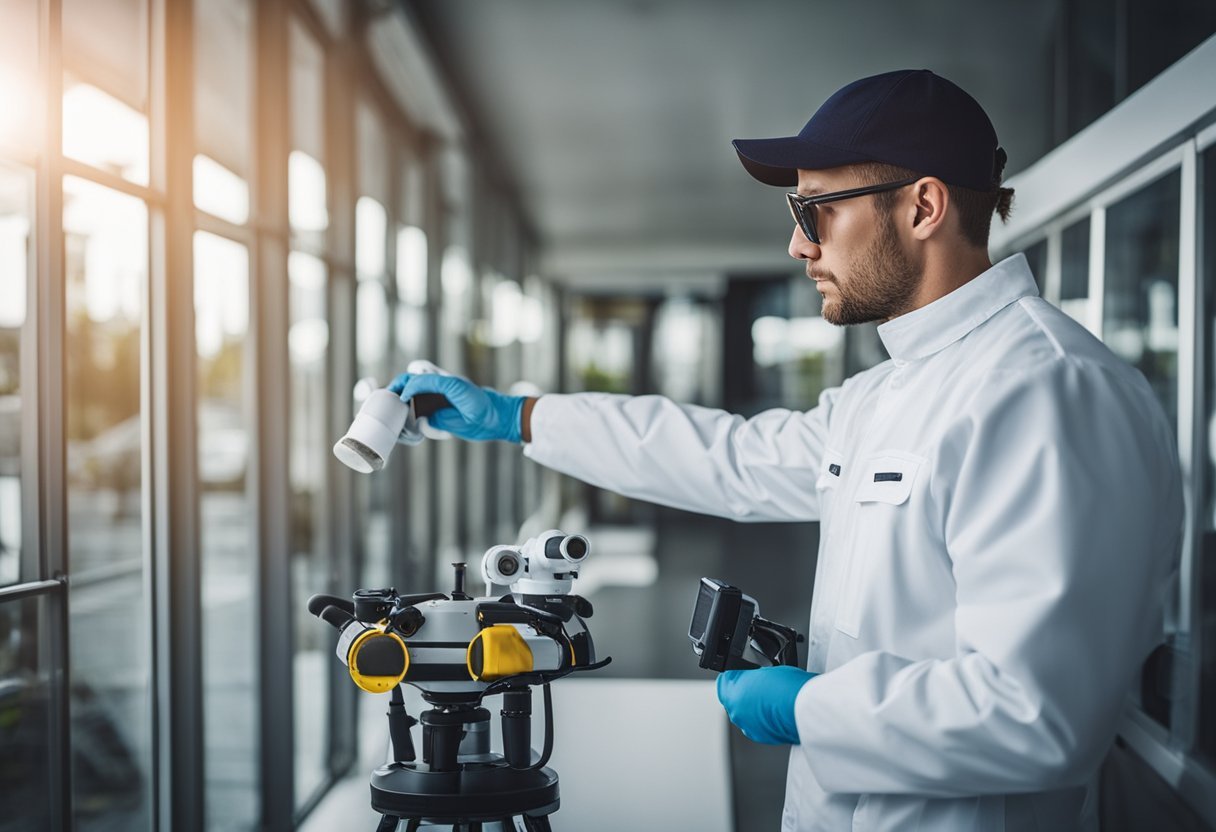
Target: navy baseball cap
x,y
911,118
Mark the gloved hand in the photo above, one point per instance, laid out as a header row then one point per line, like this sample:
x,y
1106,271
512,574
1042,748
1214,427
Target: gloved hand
x,y
761,701
477,413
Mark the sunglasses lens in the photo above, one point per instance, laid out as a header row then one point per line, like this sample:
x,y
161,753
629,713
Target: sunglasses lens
x,y
804,215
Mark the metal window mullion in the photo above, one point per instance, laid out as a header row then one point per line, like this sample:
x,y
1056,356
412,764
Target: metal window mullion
x,y
30,557
1190,780
1185,712
50,529
1097,271
170,462
1052,279
11,151
269,317
17,592
402,565
346,532
222,228
154,197
1206,138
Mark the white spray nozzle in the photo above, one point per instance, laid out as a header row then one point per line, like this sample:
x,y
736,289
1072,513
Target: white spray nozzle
x,y
372,435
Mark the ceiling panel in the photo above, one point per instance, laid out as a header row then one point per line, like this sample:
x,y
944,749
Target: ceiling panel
x,y
614,117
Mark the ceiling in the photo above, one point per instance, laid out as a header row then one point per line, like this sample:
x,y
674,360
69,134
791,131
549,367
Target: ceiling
x,y
613,118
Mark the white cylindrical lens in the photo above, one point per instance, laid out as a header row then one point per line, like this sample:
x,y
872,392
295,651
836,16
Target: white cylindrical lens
x,y
372,435
502,566
575,548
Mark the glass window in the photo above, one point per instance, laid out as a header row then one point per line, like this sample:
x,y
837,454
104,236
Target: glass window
x,y
20,116
681,333
230,614
309,443
332,14
25,773
456,279
371,329
1074,271
800,356
1036,258
373,155
539,334
411,290
105,271
307,92
306,203
1206,556
506,301
1091,58
105,85
223,73
107,40
601,354
1140,303
15,187
102,131
371,237
223,64
219,191
373,495
306,186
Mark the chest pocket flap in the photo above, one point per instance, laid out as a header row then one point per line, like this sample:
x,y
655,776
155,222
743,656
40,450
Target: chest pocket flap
x,y
888,477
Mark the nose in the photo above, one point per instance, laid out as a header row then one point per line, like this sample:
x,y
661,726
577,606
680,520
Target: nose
x,y
801,248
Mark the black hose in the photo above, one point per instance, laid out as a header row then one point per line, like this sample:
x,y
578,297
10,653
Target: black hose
x,y
547,751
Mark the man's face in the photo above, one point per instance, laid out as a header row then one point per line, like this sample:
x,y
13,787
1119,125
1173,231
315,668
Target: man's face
x,y
860,266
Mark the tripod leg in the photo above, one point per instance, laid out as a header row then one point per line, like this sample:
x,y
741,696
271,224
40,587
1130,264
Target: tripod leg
x,y
388,823
537,824
413,825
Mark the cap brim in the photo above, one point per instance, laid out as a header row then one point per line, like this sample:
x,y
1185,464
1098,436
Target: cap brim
x,y
777,161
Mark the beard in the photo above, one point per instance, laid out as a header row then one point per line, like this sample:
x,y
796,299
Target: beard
x,y
881,282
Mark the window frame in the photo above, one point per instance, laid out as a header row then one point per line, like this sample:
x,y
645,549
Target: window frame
x,y
1170,752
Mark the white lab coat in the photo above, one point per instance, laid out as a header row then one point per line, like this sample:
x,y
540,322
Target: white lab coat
x,y
1001,512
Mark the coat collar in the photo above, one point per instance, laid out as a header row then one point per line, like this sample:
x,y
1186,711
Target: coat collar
x,y
922,332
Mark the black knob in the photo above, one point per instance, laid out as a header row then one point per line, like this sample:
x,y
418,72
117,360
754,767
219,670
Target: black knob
x,y
458,594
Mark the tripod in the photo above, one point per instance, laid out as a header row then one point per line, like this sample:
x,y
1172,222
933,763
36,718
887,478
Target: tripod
x,y
460,781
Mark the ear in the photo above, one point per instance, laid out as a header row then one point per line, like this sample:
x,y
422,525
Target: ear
x,y
932,203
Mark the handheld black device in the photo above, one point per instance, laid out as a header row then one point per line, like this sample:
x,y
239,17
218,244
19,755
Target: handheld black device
x,y
727,632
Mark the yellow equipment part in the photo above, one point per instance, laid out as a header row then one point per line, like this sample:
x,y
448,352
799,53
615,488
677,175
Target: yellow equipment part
x,y
498,651
378,660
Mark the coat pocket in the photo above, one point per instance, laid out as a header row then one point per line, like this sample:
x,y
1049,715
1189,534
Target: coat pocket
x,y
887,481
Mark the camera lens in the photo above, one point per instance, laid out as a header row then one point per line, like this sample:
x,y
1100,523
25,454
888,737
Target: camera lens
x,y
576,547
502,565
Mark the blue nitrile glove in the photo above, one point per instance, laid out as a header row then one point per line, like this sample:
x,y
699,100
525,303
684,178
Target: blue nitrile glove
x,y
477,413
761,701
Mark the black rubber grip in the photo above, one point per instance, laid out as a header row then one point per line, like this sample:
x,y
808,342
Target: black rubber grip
x,y
318,603
427,403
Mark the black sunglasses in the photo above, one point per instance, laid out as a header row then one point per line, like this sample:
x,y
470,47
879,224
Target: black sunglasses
x,y
803,207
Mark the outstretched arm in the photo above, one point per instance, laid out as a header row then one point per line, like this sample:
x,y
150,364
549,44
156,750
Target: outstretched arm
x,y
695,458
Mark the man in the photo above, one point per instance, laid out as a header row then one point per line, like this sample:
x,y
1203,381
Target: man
x,y
1000,501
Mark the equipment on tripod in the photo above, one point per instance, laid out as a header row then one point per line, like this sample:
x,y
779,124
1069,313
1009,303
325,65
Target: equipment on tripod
x,y
459,650
727,632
